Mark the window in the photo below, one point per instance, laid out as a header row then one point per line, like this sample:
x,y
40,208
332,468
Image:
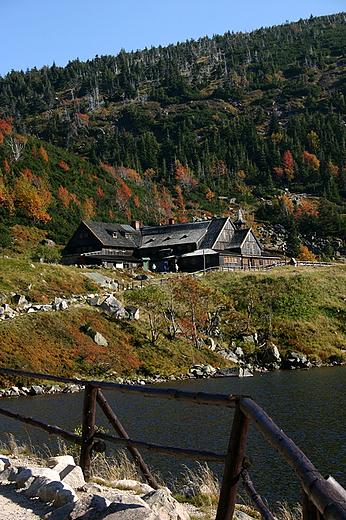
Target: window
x,y
128,235
115,234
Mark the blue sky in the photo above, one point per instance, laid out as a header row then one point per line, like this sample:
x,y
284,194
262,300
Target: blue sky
x,y
37,32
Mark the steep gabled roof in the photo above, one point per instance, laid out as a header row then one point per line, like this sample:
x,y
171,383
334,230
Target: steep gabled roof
x,y
203,234
173,234
115,235
214,229
238,239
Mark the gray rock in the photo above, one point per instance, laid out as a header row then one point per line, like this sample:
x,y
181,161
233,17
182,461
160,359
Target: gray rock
x,y
124,500
36,390
64,495
48,242
20,300
90,507
132,311
132,484
114,307
73,476
93,301
25,477
165,506
9,474
239,515
226,353
33,489
269,354
129,513
61,462
100,340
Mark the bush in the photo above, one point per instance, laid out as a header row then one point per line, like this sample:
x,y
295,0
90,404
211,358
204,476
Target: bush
x,y
47,254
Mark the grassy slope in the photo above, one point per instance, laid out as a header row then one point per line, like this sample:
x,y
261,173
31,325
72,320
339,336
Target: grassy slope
x,y
307,308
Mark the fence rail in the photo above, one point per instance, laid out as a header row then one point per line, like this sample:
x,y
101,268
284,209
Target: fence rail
x,y
322,498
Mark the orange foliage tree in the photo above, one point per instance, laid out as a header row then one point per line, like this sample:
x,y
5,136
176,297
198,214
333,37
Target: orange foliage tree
x,y
311,160
88,208
287,169
64,196
122,194
6,196
63,166
305,254
305,209
209,195
43,154
31,193
185,177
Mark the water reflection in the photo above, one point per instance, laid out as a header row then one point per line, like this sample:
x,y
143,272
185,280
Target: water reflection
x,y
307,405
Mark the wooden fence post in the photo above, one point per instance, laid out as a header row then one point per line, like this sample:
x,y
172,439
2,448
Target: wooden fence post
x,y
233,466
113,419
310,511
88,429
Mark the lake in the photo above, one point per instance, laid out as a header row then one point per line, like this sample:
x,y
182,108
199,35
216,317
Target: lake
x,y
308,405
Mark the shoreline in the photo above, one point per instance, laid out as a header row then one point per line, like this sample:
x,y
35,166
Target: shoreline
x,y
42,390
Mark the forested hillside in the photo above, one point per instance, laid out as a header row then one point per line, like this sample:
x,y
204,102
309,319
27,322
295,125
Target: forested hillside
x,y
168,131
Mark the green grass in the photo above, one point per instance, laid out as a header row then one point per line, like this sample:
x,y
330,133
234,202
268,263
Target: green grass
x,y
306,308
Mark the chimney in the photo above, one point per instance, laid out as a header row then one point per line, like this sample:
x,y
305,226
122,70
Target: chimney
x,y
171,221
135,224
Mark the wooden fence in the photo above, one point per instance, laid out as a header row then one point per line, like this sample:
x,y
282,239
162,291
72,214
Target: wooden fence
x,y
322,498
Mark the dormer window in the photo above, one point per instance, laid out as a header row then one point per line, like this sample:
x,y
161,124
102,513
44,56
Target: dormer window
x,y
115,234
184,236
128,235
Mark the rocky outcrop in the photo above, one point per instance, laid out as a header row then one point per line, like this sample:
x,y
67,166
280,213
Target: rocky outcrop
x,y
295,360
63,487
205,371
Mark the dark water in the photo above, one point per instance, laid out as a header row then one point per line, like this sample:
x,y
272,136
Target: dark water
x,y
308,405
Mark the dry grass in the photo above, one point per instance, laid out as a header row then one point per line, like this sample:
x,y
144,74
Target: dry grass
x,y
116,467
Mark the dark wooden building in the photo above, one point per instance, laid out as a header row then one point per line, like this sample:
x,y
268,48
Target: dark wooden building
x,y
189,246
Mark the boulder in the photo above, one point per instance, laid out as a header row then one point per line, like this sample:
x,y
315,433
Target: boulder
x,y
295,360
165,506
100,340
269,354
4,463
20,300
64,495
33,490
132,311
226,353
10,473
129,513
48,242
93,301
26,477
73,476
91,507
61,462
112,306
36,390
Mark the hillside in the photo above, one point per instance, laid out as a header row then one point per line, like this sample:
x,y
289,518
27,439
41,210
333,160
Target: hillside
x,y
299,309
189,130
